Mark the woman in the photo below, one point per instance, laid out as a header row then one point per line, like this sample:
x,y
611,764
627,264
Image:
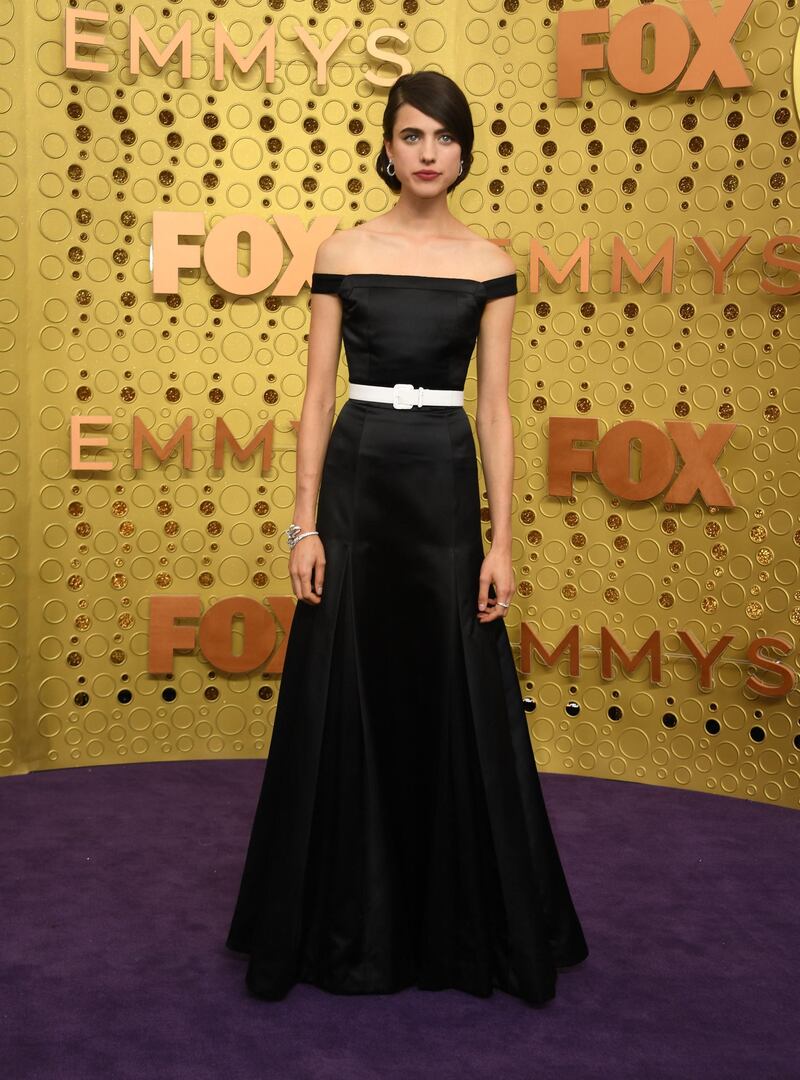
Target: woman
x,y
400,837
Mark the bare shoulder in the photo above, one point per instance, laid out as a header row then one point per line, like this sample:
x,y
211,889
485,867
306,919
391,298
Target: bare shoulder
x,y
332,253
343,251
494,261
481,258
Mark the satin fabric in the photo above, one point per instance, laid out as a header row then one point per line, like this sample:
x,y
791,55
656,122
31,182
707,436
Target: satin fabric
x,y
400,836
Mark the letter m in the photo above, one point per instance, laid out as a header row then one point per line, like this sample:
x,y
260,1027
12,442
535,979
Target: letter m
x,y
529,642
539,256
225,437
182,435
651,649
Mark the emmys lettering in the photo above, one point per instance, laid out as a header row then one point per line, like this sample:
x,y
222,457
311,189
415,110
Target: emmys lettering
x,y
647,64
181,40
181,437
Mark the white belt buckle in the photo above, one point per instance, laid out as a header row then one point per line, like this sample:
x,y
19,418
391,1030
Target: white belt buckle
x,y
401,400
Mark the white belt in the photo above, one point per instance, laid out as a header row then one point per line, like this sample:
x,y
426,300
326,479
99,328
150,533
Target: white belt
x,y
404,395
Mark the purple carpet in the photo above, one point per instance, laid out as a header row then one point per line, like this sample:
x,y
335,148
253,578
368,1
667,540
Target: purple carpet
x,y
119,881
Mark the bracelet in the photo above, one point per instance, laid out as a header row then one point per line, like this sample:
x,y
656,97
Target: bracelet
x,y
295,534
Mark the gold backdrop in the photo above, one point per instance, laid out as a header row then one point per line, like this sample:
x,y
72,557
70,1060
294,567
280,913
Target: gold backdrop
x,y
86,160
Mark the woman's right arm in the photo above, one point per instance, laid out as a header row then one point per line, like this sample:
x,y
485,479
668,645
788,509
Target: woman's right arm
x,y
316,421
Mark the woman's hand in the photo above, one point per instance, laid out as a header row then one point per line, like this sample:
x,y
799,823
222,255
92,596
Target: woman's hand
x,y
496,570
307,569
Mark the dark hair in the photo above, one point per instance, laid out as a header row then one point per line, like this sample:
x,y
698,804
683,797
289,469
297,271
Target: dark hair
x,y
435,95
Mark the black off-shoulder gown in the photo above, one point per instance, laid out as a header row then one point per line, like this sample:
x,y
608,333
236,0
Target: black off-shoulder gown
x,y
400,837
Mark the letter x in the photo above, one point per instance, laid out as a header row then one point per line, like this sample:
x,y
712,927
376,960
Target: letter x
x,y
715,53
699,453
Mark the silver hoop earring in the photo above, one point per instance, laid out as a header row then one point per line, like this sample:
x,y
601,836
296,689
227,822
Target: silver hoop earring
x,y
390,169
461,167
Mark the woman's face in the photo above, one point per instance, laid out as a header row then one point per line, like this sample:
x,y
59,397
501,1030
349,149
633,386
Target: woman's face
x,y
421,145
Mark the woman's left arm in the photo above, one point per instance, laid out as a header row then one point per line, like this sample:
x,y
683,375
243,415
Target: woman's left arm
x,y
496,438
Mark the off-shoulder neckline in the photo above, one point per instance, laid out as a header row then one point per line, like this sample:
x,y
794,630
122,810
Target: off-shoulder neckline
x,y
420,277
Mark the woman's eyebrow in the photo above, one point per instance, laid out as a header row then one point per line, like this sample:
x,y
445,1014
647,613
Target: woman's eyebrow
x,y
436,132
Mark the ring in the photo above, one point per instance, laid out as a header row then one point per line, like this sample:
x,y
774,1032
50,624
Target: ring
x,y
500,602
